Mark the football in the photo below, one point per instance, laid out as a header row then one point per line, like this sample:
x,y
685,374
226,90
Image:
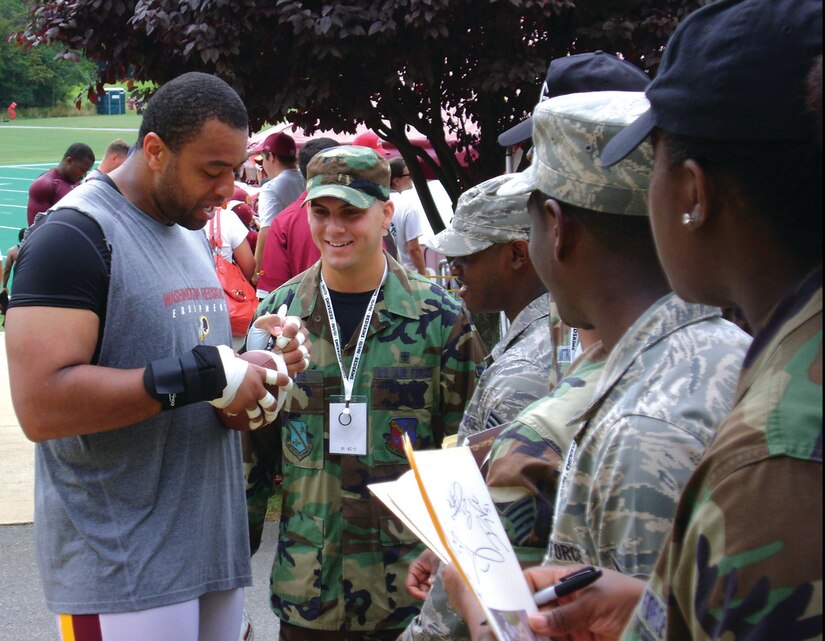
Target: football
x,y
266,359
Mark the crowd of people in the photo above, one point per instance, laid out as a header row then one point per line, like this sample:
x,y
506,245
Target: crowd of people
x,y
633,427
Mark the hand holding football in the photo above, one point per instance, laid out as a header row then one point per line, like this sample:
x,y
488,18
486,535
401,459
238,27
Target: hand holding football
x,y
244,421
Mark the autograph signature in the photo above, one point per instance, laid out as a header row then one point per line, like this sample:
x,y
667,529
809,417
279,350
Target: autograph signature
x,y
474,533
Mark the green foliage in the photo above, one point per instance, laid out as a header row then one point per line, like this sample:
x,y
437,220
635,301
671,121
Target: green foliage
x,y
42,77
470,67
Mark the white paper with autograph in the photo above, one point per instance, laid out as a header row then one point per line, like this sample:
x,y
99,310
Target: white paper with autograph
x,y
459,509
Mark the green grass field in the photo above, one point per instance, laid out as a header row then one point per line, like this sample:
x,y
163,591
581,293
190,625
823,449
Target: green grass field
x,y
28,147
46,139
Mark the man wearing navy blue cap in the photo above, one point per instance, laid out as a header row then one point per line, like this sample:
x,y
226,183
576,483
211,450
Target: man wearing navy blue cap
x,y
583,72
591,71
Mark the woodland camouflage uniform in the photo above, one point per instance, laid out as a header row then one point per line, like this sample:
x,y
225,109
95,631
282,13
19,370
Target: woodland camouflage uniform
x,y
342,557
721,576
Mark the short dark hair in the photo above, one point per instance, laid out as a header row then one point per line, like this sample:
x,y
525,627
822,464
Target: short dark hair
x,y
629,236
312,147
79,151
397,167
283,159
180,108
781,183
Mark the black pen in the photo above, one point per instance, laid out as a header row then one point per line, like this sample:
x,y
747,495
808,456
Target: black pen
x,y
569,584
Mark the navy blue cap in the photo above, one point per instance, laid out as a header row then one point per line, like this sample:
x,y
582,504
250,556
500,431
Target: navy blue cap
x,y
733,70
583,72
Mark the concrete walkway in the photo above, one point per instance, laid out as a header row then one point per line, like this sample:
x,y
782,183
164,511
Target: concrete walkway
x,y
16,457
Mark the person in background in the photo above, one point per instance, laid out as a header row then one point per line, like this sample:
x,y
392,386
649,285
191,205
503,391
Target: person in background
x,y
393,354
247,217
373,141
51,186
290,249
285,184
234,246
116,335
8,263
408,220
488,241
114,156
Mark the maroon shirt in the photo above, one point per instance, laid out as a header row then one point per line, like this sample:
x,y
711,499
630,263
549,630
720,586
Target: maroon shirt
x,y
289,248
46,191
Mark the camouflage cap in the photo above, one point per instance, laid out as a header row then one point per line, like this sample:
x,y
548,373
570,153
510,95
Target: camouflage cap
x,y
570,133
482,218
357,175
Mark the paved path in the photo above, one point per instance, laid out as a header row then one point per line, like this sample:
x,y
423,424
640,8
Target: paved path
x,y
23,613
16,457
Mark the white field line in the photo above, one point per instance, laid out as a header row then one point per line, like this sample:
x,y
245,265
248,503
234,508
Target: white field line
x,y
69,128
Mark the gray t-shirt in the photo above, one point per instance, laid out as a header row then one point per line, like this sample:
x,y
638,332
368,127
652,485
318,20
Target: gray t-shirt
x,y
154,513
277,193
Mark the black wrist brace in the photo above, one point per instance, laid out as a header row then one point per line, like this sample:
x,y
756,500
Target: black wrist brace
x,y
196,376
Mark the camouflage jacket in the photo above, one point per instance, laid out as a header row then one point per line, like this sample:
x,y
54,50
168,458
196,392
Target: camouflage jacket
x,y
342,557
667,384
744,558
522,478
518,371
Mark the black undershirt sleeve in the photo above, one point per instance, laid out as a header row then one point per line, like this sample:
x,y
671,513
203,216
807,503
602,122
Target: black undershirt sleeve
x,y
64,262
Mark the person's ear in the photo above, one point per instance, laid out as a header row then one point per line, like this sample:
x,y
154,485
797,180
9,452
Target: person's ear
x,y
561,230
155,151
702,197
387,211
519,254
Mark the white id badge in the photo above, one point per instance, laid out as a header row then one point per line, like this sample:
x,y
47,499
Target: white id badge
x,y
348,429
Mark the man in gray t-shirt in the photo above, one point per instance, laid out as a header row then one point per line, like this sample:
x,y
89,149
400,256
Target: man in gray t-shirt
x,y
117,334
285,184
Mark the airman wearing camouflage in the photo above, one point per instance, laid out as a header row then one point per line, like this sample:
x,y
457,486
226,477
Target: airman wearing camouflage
x,y
522,477
487,242
736,208
744,557
342,557
671,372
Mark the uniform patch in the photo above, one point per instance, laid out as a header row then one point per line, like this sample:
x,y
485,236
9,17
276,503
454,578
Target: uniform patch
x,y
298,438
652,617
567,552
398,427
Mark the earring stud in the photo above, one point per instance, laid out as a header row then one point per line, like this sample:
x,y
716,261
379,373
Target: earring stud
x,y
687,218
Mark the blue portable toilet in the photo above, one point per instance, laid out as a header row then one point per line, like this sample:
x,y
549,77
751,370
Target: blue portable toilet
x,y
113,102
